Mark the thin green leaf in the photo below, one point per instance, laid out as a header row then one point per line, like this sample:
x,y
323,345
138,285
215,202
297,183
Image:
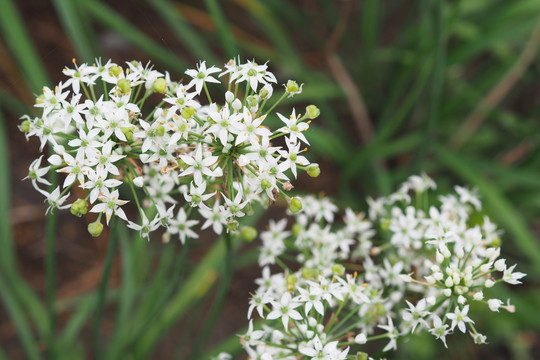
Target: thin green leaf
x,y
75,25
17,315
196,45
112,20
223,29
20,43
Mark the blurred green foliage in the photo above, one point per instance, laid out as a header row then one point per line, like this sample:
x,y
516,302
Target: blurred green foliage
x,y
445,87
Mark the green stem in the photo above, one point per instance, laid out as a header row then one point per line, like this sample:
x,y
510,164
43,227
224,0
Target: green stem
x,y
276,103
50,275
102,289
218,302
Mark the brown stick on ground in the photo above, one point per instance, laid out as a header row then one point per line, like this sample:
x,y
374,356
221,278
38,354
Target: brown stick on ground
x,y
500,90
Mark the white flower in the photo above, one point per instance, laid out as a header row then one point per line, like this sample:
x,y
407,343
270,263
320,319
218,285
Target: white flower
x,y
199,165
182,226
284,310
511,277
459,318
293,128
494,304
110,204
202,75
439,329
215,217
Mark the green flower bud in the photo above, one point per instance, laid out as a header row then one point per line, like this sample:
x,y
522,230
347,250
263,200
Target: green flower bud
x,y
124,85
115,70
312,112
248,233
79,208
95,229
338,269
40,99
314,170
296,229
295,205
187,112
25,126
253,100
128,132
160,85
292,87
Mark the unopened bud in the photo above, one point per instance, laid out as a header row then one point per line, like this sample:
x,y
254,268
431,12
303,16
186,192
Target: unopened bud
x,y
314,170
312,112
248,233
95,229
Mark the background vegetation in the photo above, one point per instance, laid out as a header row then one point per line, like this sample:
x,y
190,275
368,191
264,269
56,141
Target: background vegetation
x,y
445,87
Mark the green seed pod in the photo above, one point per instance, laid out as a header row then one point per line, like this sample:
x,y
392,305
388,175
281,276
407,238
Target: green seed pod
x,y
232,225
25,126
128,132
296,229
291,279
160,85
292,87
124,85
115,70
308,273
79,208
380,310
295,205
312,112
338,269
314,170
160,131
253,100
248,233
95,229
187,112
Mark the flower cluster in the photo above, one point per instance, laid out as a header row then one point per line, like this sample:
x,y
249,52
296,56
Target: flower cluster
x,y
116,129
403,269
